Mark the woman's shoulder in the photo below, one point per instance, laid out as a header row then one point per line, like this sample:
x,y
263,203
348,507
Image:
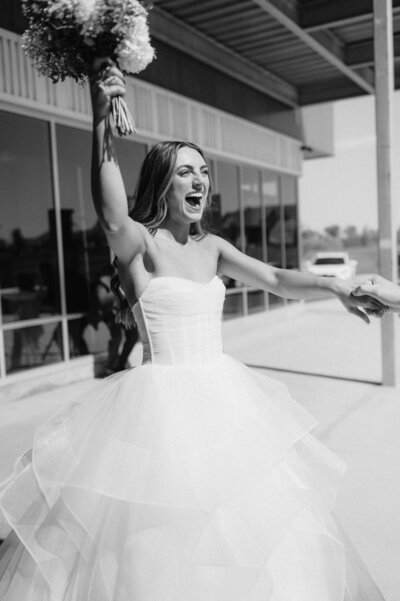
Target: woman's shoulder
x,y
210,239
216,242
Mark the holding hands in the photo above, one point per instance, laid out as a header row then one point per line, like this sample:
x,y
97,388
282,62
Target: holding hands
x,y
361,304
380,289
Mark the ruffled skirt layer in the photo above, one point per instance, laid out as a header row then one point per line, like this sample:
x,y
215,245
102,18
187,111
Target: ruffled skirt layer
x,y
179,483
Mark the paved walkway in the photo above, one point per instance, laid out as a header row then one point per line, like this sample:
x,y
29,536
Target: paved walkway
x,y
338,355
359,421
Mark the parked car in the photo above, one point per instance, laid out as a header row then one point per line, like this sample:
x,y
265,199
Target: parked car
x,y
332,264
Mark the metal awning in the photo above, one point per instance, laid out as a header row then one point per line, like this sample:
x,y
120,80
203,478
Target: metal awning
x,y
298,51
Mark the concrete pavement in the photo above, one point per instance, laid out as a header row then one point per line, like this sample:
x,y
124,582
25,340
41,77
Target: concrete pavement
x,y
324,356
358,420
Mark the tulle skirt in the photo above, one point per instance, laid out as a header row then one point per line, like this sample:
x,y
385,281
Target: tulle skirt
x,y
178,483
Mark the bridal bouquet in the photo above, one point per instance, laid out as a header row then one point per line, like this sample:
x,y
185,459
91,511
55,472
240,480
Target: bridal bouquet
x,y
65,36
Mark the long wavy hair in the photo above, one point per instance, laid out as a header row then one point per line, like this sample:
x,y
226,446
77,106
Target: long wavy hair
x,y
149,205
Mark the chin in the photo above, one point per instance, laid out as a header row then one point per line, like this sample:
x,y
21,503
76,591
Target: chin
x,y
194,218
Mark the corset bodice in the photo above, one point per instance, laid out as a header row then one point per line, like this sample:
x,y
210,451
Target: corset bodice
x,y
179,321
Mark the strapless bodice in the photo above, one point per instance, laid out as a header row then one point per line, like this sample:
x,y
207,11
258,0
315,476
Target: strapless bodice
x,y
179,321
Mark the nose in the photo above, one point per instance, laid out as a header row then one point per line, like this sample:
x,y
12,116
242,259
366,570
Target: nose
x,y
196,182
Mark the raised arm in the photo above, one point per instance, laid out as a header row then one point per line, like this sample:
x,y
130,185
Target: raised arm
x,y
289,283
125,236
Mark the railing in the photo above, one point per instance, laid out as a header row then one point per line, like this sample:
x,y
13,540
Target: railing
x,y
158,113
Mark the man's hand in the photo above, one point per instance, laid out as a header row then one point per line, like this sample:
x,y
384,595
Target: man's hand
x,y
380,289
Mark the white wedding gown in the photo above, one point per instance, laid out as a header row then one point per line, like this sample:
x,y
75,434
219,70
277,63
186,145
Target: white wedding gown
x,y
188,478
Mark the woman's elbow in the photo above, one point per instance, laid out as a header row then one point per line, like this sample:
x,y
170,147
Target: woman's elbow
x,y
111,226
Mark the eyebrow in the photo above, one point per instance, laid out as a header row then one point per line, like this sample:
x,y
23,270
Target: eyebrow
x,y
204,166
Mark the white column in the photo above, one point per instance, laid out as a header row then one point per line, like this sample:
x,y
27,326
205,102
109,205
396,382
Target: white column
x,y
387,222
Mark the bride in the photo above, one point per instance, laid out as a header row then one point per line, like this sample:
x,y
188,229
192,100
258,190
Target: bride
x,y
188,478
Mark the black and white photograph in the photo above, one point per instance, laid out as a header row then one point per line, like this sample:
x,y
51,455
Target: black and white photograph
x,y
199,300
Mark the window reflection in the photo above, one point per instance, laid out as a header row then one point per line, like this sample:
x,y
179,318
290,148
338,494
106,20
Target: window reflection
x,y
273,216
255,301
253,238
98,332
226,203
273,223
226,222
33,346
28,250
289,200
267,229
86,252
226,213
84,244
130,158
233,306
86,335
254,244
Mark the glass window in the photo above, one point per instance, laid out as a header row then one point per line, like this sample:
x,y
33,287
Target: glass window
x,y
273,223
86,253
226,223
130,158
290,213
88,336
233,306
255,301
84,244
33,346
226,215
28,249
254,237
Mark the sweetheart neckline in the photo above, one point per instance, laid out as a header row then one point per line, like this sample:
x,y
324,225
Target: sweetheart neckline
x,y
175,277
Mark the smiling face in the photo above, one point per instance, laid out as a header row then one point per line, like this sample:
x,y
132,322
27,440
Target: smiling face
x,y
188,192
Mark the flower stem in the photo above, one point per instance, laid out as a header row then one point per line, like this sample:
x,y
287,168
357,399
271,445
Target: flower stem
x,y
123,120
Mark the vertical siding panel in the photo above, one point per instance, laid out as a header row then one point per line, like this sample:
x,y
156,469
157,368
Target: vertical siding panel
x,y
158,113
2,66
7,66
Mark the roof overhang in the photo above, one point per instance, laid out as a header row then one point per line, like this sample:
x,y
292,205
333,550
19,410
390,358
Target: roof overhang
x,y
296,51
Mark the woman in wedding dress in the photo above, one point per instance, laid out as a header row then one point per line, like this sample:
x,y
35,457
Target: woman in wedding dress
x,y
188,478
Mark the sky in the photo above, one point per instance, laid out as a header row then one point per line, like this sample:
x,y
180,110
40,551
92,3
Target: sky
x,y
341,190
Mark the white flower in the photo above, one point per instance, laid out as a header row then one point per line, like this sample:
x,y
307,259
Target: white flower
x,y
135,52
59,6
64,36
85,11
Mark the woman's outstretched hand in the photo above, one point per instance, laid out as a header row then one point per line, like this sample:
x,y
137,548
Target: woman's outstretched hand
x,y
362,305
106,83
380,289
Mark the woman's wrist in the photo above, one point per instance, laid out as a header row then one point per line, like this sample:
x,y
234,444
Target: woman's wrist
x,y
335,286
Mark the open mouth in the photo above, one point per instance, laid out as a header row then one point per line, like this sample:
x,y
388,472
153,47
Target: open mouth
x,y
194,200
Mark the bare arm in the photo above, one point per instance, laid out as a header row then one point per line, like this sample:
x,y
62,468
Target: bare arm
x,y
125,236
289,283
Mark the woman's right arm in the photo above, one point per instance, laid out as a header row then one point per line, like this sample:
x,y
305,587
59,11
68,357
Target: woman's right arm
x,y
125,236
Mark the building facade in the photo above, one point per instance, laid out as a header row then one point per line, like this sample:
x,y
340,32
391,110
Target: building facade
x,y
51,246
